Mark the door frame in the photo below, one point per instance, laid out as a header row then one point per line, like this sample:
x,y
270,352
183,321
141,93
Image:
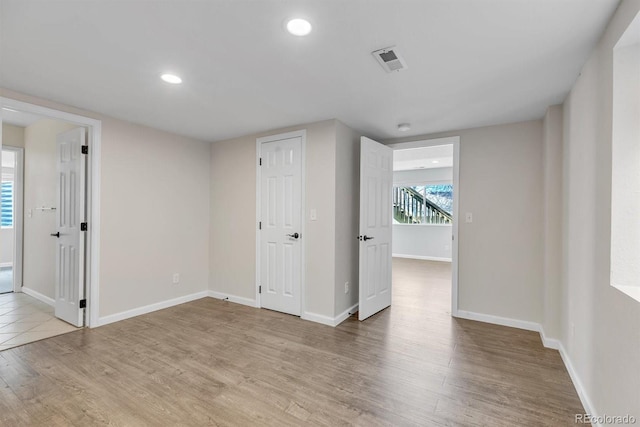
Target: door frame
x,y
303,142
94,138
455,141
18,218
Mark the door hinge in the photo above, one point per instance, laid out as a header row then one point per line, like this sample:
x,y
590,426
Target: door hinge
x,y
83,226
83,303
260,225
260,162
85,149
259,289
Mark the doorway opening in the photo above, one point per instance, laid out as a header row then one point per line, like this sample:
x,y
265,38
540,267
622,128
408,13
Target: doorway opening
x,y
425,211
11,226
55,216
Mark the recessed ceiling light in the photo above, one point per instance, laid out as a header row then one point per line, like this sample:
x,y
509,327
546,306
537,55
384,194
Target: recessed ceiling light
x,y
171,78
299,27
435,161
403,127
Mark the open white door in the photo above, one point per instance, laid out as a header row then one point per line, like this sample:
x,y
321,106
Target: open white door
x,y
281,220
70,217
376,181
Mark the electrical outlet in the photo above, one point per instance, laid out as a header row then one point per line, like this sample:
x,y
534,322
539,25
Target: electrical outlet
x,y
176,278
346,287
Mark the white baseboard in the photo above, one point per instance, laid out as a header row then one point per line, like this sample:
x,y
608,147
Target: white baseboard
x,y
497,320
513,323
37,295
329,321
345,314
582,393
424,258
232,298
318,318
105,320
547,342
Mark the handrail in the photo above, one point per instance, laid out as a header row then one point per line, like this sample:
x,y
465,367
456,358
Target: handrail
x,y
412,207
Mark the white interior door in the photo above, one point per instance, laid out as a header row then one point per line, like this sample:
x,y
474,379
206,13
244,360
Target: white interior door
x,y
70,214
376,181
280,234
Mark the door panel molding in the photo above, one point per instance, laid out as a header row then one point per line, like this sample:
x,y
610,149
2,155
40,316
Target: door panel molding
x,y
70,240
260,220
376,184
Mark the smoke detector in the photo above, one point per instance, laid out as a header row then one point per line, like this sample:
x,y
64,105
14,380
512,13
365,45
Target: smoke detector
x,y
390,59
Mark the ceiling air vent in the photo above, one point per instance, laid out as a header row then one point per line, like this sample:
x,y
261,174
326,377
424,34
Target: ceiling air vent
x,y
390,59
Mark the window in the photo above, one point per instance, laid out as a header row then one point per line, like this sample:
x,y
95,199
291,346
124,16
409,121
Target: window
x,y
7,203
423,204
625,157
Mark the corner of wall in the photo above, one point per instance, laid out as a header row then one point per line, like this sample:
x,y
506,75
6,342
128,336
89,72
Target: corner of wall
x,y
347,202
552,227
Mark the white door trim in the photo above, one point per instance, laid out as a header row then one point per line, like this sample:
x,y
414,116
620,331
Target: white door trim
x,y
93,195
455,140
18,218
302,134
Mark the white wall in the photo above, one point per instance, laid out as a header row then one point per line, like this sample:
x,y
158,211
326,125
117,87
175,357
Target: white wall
x,y
154,212
424,241
600,325
12,135
6,247
423,176
552,161
233,231
155,216
40,180
500,252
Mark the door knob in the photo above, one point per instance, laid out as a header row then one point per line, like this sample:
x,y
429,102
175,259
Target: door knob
x,y
365,238
56,234
294,235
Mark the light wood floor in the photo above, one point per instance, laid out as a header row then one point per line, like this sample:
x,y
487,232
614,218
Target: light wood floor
x,y
211,362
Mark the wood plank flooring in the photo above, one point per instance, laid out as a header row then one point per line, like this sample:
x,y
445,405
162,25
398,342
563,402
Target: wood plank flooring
x,y
211,362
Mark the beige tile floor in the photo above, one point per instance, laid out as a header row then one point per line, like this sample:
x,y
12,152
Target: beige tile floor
x,y
24,319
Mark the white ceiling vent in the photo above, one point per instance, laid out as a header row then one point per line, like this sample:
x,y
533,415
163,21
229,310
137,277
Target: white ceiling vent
x,y
390,59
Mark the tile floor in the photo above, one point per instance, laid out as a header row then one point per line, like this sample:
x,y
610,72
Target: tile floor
x,y
24,319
